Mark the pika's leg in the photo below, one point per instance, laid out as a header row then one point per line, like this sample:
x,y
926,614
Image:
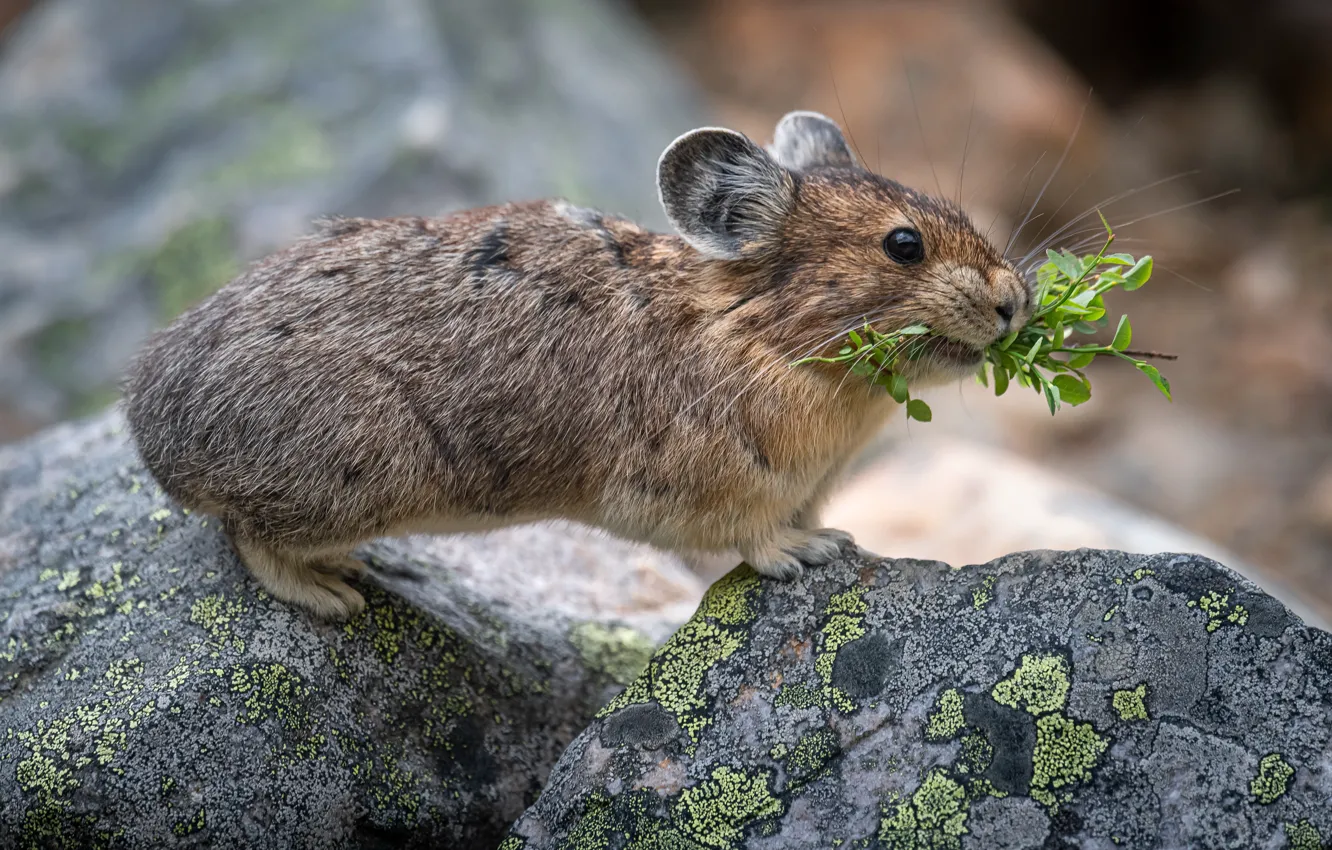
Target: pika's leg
x,y
786,554
313,580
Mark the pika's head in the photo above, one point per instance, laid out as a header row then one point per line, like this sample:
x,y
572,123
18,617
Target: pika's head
x,y
833,245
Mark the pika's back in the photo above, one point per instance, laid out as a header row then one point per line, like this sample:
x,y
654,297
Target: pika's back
x,y
395,348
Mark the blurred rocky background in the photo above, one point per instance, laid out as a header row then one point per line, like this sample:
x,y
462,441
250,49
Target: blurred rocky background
x,y
148,148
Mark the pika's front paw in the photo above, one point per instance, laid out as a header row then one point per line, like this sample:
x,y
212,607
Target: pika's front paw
x,y
786,556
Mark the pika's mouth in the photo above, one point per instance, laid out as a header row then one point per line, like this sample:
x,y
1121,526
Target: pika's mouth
x,y
954,352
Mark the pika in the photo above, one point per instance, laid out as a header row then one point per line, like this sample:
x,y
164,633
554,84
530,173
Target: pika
x,y
539,360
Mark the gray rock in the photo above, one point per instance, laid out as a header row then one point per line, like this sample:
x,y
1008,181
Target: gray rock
x,y
152,696
148,148
1087,699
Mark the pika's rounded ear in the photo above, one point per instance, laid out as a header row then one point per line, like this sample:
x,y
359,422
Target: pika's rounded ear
x,y
724,194
805,140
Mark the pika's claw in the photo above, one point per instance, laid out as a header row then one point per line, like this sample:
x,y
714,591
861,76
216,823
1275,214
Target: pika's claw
x,y
786,556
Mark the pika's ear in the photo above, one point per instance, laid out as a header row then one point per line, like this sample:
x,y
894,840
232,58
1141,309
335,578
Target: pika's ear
x,y
724,194
805,140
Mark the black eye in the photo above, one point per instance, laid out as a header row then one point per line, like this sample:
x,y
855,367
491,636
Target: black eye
x,y
904,246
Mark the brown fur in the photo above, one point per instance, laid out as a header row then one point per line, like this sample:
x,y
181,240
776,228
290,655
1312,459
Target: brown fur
x,y
535,361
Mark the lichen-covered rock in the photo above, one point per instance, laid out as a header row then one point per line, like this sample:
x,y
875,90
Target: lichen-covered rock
x,y
148,148
1086,699
152,696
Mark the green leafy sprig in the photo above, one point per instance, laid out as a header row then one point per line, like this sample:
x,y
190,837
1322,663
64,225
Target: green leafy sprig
x,y
1069,300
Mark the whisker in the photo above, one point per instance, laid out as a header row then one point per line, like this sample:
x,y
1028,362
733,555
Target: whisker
x,y
1103,205
966,146
1198,202
921,126
1058,165
845,123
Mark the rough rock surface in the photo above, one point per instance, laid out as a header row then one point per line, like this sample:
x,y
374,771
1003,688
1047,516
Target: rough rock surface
x,y
1086,699
152,696
150,147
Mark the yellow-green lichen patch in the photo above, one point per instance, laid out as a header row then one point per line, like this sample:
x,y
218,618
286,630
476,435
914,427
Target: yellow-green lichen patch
x,y
1219,610
191,825
715,812
1273,778
1131,705
798,695
1065,753
218,616
675,675
1303,836
846,616
812,754
935,816
1038,685
976,755
732,599
49,771
946,719
271,691
513,842
619,652
981,596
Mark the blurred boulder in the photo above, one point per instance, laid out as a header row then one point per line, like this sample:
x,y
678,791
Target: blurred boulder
x,y
148,148
964,502
1043,700
154,696
959,99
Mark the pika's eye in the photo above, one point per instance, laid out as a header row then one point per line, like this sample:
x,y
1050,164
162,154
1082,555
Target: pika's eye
x,y
904,246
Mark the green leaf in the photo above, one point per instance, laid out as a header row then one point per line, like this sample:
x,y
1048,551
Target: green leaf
x,y
914,330
983,376
1084,327
1119,259
1034,350
1073,390
1157,378
1000,381
1138,275
1081,361
1123,334
919,411
1051,396
1069,266
844,350
897,388
855,337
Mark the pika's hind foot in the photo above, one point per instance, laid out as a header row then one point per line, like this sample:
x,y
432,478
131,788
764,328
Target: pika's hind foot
x,y
786,555
313,581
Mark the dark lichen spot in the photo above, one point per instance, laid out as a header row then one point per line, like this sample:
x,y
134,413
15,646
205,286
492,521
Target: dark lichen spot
x,y
862,666
1142,594
645,725
1267,616
1012,733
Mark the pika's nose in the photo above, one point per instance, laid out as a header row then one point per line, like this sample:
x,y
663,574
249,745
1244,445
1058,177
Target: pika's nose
x,y
1006,310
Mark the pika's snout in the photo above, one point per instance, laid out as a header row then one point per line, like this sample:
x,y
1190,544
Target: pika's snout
x,y
1012,301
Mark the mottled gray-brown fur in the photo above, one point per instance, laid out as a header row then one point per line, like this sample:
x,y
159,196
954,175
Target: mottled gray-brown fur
x,y
538,360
